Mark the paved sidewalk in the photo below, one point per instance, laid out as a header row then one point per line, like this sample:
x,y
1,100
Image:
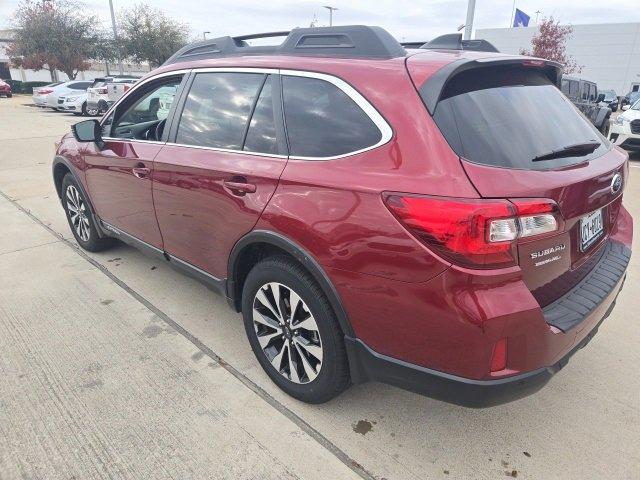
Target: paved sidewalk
x,y
95,385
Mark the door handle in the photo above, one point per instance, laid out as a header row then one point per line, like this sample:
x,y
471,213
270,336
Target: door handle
x,y
238,187
141,172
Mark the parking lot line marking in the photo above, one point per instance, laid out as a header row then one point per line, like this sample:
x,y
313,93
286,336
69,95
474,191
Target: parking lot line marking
x,y
301,423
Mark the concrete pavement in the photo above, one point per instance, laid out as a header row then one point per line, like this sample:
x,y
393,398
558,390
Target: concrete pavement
x,y
54,329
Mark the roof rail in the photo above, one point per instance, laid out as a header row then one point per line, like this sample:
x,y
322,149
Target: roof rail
x,y
413,44
342,41
454,41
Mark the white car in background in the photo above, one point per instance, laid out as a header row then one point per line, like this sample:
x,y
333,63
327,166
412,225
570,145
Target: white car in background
x,y
75,103
65,88
625,129
40,94
98,94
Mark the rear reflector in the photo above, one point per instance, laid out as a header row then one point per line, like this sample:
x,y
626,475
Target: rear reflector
x,y
473,233
499,357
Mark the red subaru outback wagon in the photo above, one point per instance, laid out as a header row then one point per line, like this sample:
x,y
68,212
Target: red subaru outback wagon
x,y
441,218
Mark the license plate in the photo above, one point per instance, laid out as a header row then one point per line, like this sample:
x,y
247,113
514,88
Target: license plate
x,y
590,229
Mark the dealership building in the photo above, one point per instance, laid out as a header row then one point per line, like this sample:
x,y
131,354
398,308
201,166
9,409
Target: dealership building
x,y
608,53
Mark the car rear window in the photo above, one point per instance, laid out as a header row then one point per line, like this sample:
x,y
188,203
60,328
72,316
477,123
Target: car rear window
x,y
323,121
507,116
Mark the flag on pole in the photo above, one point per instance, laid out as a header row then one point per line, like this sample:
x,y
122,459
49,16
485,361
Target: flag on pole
x,y
521,19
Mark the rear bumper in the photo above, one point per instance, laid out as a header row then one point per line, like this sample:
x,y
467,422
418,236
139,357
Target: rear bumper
x,y
367,364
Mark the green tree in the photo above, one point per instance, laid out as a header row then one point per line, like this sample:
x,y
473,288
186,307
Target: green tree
x,y
53,36
148,35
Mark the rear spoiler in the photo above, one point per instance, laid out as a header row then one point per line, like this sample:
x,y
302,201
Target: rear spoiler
x,y
431,90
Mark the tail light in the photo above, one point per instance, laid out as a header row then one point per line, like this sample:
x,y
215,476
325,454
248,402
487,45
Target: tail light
x,y
474,233
45,91
127,87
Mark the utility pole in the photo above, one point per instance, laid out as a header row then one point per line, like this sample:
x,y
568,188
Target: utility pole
x,y
204,35
468,26
331,9
115,37
537,13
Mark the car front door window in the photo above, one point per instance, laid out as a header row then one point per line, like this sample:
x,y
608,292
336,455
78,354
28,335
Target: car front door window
x,y
143,116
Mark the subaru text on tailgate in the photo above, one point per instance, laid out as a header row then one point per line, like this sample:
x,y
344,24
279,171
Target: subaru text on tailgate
x,y
375,213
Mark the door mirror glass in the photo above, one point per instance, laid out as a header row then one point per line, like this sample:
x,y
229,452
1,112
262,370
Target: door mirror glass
x,y
87,131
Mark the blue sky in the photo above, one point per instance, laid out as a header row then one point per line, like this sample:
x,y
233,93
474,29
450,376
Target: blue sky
x,y
407,20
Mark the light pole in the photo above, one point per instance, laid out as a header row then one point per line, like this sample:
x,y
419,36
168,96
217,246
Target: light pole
x,y
331,9
115,37
468,26
537,13
204,35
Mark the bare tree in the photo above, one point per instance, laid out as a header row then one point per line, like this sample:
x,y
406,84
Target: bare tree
x,y
53,36
550,43
149,35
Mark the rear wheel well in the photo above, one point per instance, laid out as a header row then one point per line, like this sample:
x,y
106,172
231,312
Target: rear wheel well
x,y
247,258
59,171
266,244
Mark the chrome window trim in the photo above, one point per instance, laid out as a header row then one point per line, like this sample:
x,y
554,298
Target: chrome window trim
x,y
227,150
386,132
130,140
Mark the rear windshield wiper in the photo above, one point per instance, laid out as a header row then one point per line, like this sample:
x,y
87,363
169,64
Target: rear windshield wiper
x,y
574,150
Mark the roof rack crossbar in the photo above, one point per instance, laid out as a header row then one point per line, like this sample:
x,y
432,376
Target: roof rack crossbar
x,y
253,36
454,41
348,40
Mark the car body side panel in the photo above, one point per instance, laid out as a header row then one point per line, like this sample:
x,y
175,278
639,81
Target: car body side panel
x,y
200,218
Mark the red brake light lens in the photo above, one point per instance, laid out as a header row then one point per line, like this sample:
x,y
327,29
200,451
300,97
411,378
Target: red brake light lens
x,y
474,233
458,229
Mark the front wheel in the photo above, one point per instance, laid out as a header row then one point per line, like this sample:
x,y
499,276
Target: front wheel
x,y
80,219
293,331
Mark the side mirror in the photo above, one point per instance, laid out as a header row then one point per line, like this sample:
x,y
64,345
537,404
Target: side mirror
x,y
626,107
88,131
600,98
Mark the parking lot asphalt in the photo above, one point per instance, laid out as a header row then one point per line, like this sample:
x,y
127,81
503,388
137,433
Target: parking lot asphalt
x,y
116,366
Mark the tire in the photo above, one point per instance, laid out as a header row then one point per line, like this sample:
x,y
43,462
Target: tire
x,y
9,95
82,225
606,126
325,373
91,112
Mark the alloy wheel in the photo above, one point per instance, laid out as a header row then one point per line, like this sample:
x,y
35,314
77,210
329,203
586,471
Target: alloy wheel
x,y
287,332
78,213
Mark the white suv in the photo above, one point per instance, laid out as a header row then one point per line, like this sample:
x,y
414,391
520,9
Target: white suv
x,y
98,94
625,129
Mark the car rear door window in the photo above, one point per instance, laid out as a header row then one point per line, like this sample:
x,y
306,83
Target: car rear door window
x,y
323,121
261,136
217,109
574,89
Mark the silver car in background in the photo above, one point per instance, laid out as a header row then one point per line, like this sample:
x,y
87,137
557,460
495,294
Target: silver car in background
x,y
40,94
66,88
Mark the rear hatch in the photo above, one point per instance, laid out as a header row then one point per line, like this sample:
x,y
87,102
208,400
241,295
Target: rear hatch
x,y
520,138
